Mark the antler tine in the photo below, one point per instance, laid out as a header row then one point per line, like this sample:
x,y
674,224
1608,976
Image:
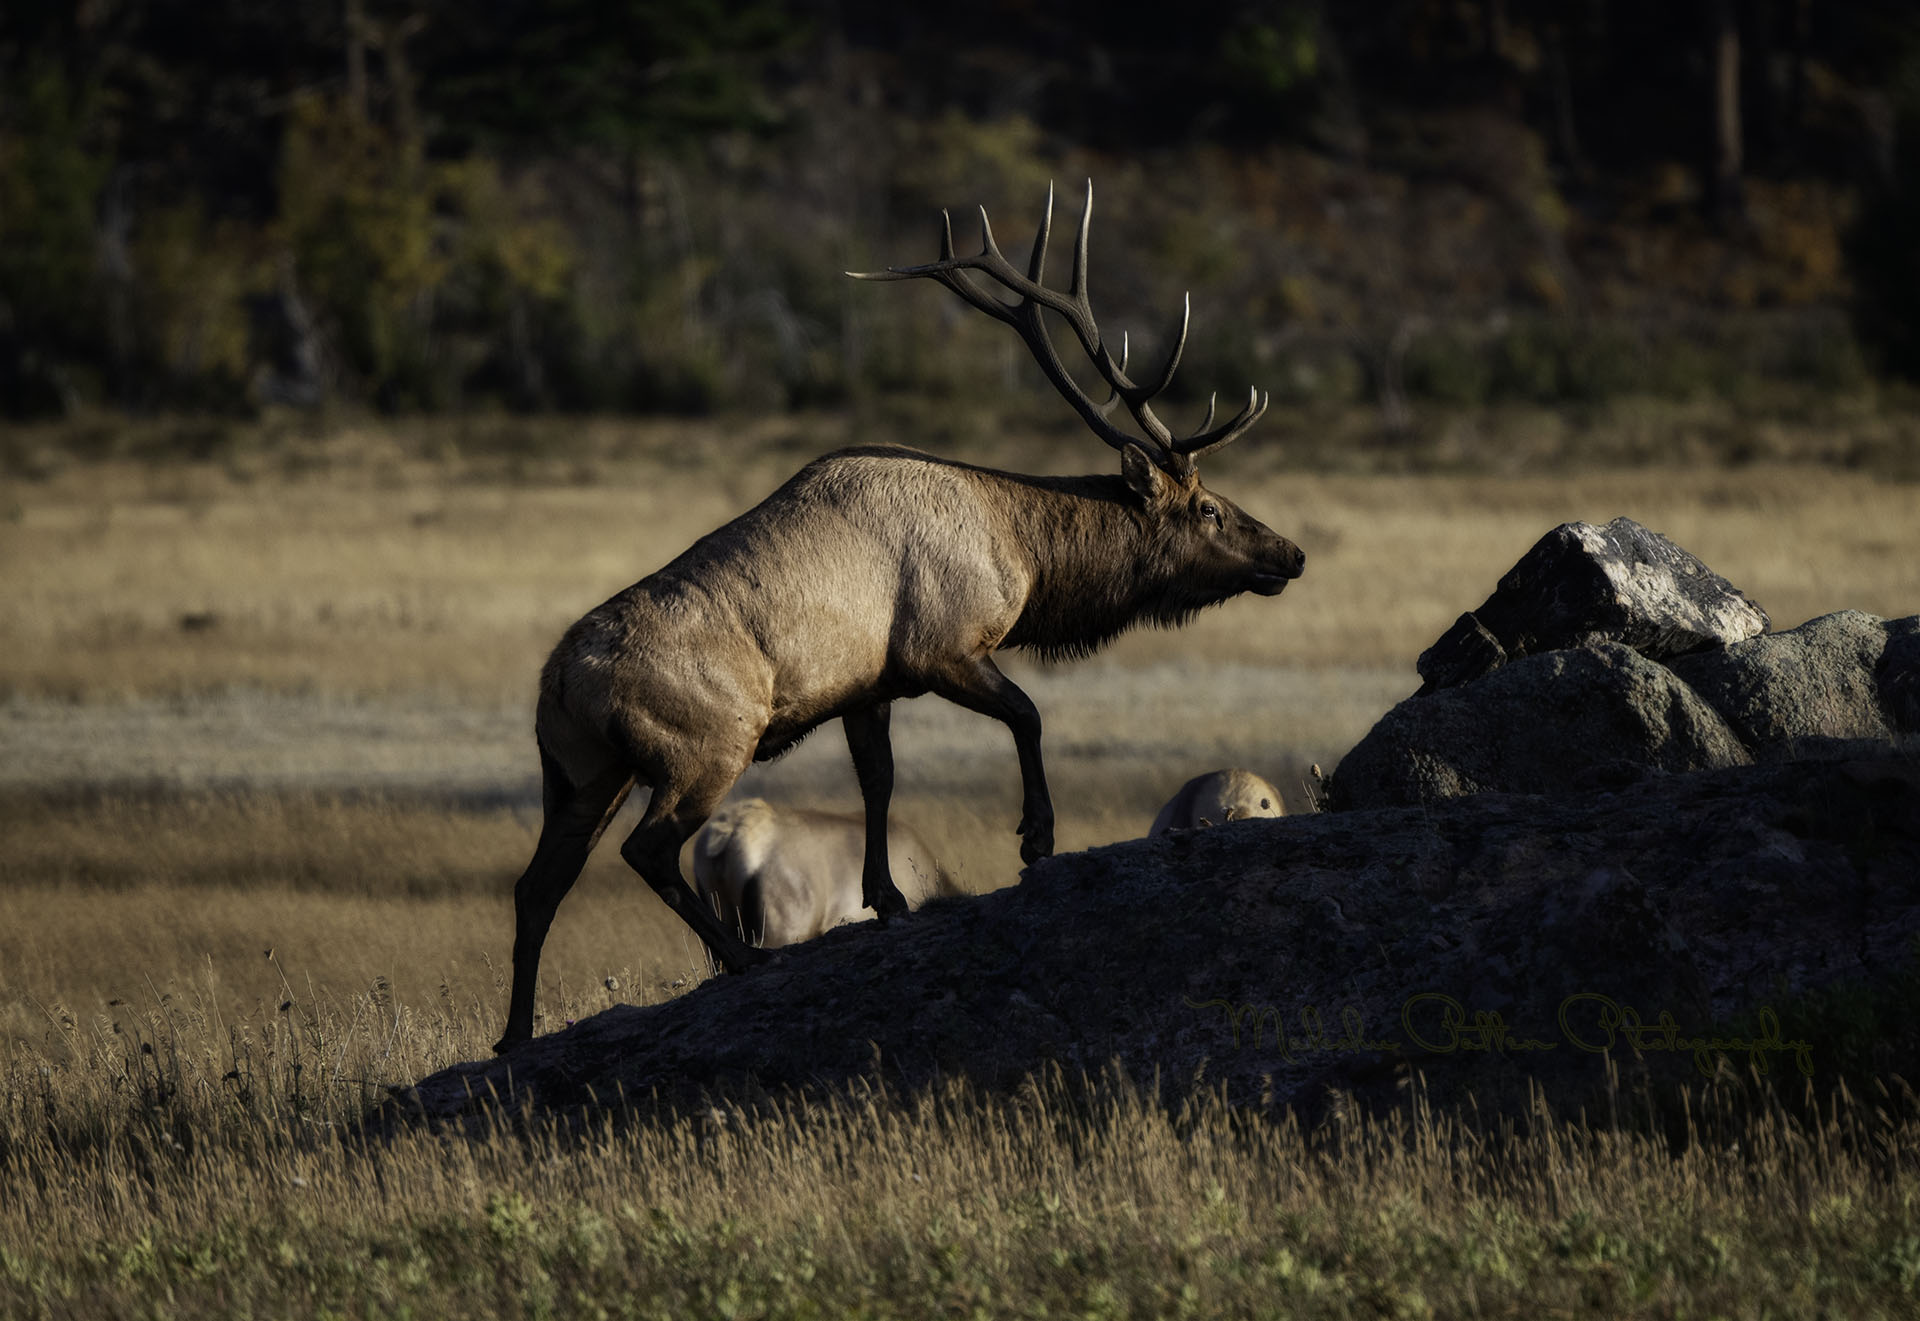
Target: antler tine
x,y
1037,262
988,248
1077,287
1207,421
1205,442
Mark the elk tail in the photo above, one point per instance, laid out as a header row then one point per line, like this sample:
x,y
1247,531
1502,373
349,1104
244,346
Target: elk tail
x,y
557,790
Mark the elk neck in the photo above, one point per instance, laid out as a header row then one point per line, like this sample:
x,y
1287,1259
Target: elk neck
x,y
1099,565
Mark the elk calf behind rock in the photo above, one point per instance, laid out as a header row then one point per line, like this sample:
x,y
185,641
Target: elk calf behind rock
x,y
1216,797
781,875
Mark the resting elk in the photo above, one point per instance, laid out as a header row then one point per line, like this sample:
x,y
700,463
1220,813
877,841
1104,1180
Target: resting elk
x,y
876,574
781,875
1216,797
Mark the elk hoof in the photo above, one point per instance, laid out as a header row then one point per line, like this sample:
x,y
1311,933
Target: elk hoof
x,y
748,958
1036,844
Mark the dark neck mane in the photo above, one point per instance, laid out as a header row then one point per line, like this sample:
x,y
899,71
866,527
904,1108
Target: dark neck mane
x,y
1096,570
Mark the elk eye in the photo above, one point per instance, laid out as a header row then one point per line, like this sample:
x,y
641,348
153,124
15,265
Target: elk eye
x,y
1209,509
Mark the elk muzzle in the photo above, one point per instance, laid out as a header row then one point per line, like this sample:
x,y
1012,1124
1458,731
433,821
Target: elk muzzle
x,y
1277,565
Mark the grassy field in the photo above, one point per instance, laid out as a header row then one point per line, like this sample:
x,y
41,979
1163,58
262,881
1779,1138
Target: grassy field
x,y
237,1201
266,778
372,572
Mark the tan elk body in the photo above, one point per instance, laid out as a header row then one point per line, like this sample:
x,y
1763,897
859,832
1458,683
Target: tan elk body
x,y
1216,797
781,875
872,575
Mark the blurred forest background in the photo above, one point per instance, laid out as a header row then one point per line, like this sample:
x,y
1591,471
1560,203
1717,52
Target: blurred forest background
x,y
491,207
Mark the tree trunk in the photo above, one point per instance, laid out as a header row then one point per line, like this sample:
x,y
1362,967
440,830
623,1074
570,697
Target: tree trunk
x,y
356,25
1341,128
1797,78
1560,79
1724,191
393,44
1494,30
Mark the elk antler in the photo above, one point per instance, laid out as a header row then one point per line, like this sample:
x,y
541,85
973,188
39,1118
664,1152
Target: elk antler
x,y
1174,454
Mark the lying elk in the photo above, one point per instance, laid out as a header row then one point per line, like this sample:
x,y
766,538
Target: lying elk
x,y
780,875
876,574
1217,797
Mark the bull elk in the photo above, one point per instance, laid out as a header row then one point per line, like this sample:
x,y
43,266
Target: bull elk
x,y
875,574
1218,797
781,875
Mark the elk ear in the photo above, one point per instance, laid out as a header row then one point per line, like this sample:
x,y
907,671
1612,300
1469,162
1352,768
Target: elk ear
x,y
1142,473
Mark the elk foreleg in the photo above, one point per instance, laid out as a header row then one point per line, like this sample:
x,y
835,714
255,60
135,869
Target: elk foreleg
x,y
872,750
979,686
653,850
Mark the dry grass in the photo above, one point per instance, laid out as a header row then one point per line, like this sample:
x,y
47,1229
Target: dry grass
x,y
404,576
259,709
186,1182
112,898
74,959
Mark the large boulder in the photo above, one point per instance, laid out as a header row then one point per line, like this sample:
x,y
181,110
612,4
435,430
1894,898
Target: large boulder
x,y
1599,716
1582,584
1826,682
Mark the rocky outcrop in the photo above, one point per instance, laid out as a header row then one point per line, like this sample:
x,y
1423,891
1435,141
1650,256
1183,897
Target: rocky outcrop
x,y
1580,585
1592,717
1609,653
1485,943
1846,684
1787,694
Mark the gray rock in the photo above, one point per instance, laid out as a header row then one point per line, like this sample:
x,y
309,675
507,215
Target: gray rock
x,y
1582,584
1562,721
1798,693
1898,676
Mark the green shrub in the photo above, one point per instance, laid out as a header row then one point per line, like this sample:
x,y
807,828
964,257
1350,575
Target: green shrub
x,y
1679,367
1314,372
1603,361
191,284
1450,368
958,161
357,216
1529,361
1829,356
51,176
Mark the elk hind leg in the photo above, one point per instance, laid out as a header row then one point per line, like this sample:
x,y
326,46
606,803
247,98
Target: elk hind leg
x,y
673,815
872,749
574,818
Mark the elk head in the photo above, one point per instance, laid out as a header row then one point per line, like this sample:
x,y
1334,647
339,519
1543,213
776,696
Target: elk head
x,y
1220,550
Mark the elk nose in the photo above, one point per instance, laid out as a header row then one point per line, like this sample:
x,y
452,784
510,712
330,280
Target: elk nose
x,y
1296,561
